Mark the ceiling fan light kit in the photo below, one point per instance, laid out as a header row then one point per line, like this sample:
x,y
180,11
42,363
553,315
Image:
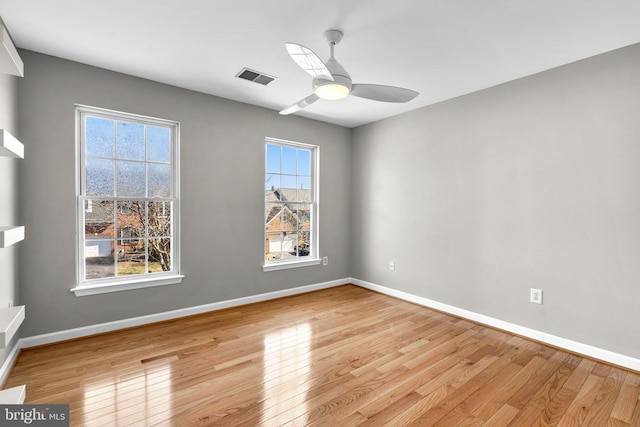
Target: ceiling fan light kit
x,y
332,82
330,90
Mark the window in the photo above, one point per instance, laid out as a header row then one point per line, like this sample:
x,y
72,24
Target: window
x,y
291,205
128,205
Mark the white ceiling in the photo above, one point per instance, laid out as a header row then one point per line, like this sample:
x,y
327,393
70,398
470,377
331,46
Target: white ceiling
x,y
440,48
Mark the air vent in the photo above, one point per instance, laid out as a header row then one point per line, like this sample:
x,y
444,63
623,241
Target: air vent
x,y
255,76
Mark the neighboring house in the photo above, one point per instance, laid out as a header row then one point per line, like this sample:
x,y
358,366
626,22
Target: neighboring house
x,y
100,229
287,220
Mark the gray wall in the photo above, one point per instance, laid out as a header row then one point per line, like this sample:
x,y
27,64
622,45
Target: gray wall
x,y
8,198
222,161
533,183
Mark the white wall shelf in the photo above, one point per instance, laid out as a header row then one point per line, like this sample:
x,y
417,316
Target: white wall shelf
x,y
10,61
10,320
10,146
11,235
13,396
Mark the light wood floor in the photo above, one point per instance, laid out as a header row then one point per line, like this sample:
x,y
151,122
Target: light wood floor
x,y
338,357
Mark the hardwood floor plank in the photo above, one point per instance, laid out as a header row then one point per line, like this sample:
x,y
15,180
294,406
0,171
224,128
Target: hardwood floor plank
x,y
503,395
578,409
460,405
503,416
600,411
343,356
416,410
558,404
627,399
534,411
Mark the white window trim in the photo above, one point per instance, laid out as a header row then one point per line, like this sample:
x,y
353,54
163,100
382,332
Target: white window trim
x,y
283,265
314,257
126,285
101,286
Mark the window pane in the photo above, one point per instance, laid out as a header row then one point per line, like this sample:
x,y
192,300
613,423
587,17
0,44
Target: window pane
x,y
131,219
289,160
303,247
303,214
160,255
289,182
130,178
99,261
272,216
159,219
289,218
98,219
159,176
304,162
286,194
272,182
289,243
131,257
99,137
304,189
158,144
273,158
130,141
99,177
274,243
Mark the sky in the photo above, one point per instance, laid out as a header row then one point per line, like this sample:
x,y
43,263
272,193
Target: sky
x,y
287,167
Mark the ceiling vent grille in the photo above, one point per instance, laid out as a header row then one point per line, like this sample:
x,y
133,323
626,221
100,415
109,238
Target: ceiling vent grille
x,y
255,76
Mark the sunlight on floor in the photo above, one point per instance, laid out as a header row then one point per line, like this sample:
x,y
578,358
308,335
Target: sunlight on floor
x,y
287,361
125,401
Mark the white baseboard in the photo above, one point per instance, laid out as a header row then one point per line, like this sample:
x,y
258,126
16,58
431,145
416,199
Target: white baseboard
x,y
168,315
563,343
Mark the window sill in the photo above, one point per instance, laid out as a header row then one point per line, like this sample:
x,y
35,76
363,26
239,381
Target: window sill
x,y
290,264
103,288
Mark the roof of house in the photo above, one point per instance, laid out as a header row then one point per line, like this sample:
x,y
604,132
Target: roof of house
x,y
284,195
288,195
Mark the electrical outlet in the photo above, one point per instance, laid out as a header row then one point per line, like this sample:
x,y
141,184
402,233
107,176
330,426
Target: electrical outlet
x,y
325,260
392,265
10,303
536,296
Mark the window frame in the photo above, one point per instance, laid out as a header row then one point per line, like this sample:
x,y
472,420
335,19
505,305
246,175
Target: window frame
x,y
122,283
313,258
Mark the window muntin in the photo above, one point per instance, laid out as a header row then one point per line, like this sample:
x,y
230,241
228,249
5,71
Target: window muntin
x,y
290,202
128,197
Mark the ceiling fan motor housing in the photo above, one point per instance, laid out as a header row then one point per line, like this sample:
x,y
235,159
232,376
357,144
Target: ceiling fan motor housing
x,y
340,78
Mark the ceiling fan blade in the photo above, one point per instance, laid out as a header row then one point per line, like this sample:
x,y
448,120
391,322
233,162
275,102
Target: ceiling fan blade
x,y
308,61
300,104
383,93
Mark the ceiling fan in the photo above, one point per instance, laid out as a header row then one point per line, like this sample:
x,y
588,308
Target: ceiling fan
x,y
331,81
